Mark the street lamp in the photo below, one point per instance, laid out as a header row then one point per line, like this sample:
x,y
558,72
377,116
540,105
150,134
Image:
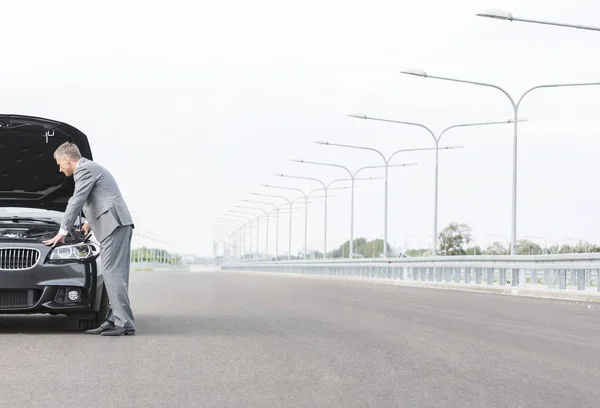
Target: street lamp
x,y
242,233
229,240
326,188
277,212
437,147
503,15
305,213
250,220
305,196
267,236
353,178
290,202
276,223
515,105
386,165
223,232
230,224
257,229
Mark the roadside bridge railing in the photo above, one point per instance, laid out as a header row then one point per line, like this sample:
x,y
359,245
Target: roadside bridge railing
x,y
575,272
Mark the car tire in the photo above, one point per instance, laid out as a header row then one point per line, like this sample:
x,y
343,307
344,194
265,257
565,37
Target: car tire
x,y
87,322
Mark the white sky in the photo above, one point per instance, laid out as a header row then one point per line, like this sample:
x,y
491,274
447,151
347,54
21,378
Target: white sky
x,y
193,105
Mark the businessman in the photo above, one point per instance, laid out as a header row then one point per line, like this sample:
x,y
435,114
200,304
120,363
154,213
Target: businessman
x,y
98,195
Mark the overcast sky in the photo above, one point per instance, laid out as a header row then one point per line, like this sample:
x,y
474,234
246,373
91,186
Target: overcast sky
x,y
192,105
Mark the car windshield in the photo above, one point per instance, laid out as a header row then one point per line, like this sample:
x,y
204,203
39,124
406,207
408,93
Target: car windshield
x,y
30,213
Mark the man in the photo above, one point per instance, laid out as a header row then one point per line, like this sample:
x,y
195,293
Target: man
x,y
98,195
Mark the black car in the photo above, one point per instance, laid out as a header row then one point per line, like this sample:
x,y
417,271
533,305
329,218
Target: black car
x,y
35,278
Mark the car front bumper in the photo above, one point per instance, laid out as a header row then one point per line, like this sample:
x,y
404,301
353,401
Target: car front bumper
x,y
44,288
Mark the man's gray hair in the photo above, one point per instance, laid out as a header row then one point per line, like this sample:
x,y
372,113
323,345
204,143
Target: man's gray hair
x,y
67,149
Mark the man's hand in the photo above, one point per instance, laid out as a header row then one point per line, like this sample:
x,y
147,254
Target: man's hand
x,y
58,238
85,228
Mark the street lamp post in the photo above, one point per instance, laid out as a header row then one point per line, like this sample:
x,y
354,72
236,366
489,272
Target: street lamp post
x,y
257,228
277,212
290,202
276,222
503,15
326,188
437,147
232,213
267,229
305,212
229,242
515,106
224,231
240,233
242,230
386,165
352,178
290,207
237,229
305,196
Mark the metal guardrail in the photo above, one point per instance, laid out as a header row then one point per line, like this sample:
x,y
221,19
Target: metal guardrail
x,y
558,271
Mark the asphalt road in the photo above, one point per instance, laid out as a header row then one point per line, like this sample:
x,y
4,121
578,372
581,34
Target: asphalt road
x,y
221,339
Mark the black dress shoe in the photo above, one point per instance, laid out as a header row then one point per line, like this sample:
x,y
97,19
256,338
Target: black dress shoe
x,y
103,327
119,331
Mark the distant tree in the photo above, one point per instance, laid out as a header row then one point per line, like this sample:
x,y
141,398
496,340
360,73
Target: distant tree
x,y
526,247
454,238
315,255
580,247
361,248
476,250
496,248
373,249
154,255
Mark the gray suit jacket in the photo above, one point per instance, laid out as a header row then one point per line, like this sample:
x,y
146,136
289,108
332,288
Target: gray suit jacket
x,y
98,195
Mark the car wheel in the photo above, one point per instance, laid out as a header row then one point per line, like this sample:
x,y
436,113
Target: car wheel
x,y
97,318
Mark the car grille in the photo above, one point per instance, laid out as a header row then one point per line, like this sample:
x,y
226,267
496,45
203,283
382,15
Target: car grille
x,y
14,297
18,258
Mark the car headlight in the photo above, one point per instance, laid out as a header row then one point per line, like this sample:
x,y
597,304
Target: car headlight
x,y
77,252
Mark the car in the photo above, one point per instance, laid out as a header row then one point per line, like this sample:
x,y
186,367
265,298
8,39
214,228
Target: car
x,y
35,278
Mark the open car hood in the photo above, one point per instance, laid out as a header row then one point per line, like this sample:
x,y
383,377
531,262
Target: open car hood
x,y
29,175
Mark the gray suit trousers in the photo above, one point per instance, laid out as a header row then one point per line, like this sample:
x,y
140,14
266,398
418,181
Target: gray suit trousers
x,y
115,253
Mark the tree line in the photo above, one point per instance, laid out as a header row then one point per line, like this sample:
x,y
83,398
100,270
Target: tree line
x,y
154,255
454,239
457,239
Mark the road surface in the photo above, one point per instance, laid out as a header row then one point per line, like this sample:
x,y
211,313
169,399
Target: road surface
x,y
222,339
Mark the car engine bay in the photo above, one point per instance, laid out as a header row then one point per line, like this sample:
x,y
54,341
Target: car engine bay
x,y
32,230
